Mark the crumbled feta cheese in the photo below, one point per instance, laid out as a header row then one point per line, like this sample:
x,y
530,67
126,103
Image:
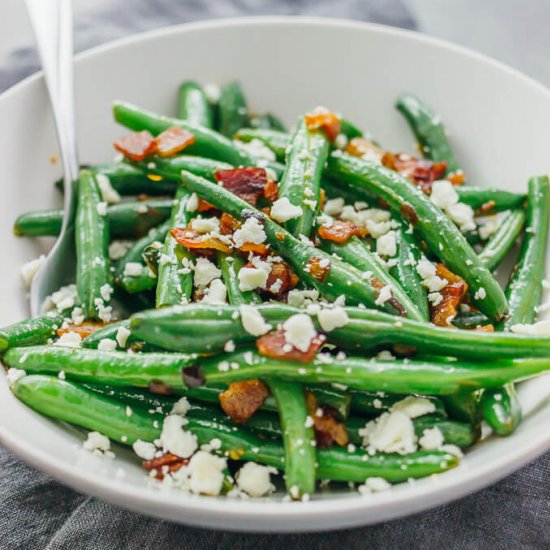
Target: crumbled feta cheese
x,y
64,298
390,433
205,272
122,335
144,449
205,225
373,485
97,442
106,344
252,321
283,210
299,298
192,203
334,207
30,269
427,272
383,296
216,293
206,473
252,231
105,291
174,439
118,248
103,312
341,141
329,319
386,245
212,92
414,406
255,480
69,339
108,193
251,278
463,215
101,208
229,346
435,298
13,375
431,438
444,196
480,294
299,331
133,269
181,406
256,149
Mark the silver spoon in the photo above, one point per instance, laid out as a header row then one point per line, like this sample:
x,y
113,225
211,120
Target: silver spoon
x,y
53,28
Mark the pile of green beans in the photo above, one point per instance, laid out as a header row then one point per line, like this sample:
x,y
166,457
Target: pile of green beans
x,y
381,353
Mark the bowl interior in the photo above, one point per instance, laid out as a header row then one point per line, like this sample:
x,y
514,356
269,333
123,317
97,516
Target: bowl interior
x,y
497,122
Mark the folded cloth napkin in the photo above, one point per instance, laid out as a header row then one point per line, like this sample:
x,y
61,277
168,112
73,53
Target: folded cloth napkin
x,y
38,512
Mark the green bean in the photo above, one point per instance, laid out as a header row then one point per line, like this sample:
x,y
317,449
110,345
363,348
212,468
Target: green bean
x,y
431,225
464,407
428,130
230,267
146,280
267,121
202,328
30,332
74,404
503,239
431,377
173,286
110,332
404,271
357,254
493,200
170,168
116,368
274,140
193,105
376,403
349,130
501,409
306,156
298,438
92,240
339,277
471,320
232,109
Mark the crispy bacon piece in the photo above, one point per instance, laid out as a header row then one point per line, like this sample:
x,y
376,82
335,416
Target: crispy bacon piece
x,y
453,293
242,399
325,120
485,328
361,147
338,232
136,146
486,207
191,239
421,172
328,430
409,213
228,224
204,206
319,268
246,183
173,140
456,178
259,249
271,191
274,345
84,329
280,271
165,464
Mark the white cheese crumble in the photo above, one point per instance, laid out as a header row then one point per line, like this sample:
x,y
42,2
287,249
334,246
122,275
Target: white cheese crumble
x,y
480,294
374,485
122,335
427,272
256,149
252,320
283,210
181,406
444,196
334,207
431,439
299,298
390,433
329,319
251,231
108,193
174,439
383,296
118,248
192,203
64,298
30,269
69,339
106,344
205,272
386,245
206,473
251,278
144,449
97,443
105,291
414,406
299,331
101,208
13,375
205,225
255,479
216,293
133,269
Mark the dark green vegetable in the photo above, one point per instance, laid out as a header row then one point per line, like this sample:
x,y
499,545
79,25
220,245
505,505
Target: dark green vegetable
x,y
173,286
471,320
30,332
464,407
428,130
193,105
273,139
92,240
369,403
232,110
230,267
170,168
202,328
267,121
501,409
494,200
306,157
431,377
298,438
503,239
430,224
349,130
72,403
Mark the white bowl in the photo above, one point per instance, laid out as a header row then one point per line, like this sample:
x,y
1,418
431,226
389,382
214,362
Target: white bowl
x,y
498,120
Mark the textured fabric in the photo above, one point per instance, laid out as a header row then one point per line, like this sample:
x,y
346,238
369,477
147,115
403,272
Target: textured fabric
x,y
37,512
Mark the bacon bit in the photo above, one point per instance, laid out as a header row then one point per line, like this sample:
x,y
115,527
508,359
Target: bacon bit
x,y
204,206
274,345
456,178
279,272
421,172
173,140
409,213
271,191
328,430
338,232
485,328
359,147
293,280
191,239
160,388
136,146
242,399
325,120
228,224
247,183
165,464
84,329
316,270
453,294
487,207
260,249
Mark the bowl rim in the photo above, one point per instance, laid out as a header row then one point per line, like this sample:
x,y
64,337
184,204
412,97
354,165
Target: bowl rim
x,y
314,513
